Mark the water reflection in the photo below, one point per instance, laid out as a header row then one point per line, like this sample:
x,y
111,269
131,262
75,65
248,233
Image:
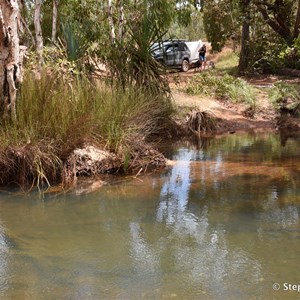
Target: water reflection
x,y
145,258
4,255
276,213
223,223
207,259
175,192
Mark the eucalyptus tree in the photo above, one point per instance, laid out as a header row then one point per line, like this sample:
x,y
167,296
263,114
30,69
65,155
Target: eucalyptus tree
x,y
11,57
274,34
283,16
279,19
54,20
245,38
38,30
221,22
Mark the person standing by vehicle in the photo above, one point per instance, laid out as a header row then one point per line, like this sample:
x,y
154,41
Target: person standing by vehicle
x,y
202,56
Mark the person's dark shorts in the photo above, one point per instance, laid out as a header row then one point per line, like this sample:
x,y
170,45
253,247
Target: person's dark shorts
x,y
202,57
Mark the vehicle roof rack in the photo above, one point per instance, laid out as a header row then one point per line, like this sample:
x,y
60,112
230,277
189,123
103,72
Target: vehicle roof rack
x,y
174,40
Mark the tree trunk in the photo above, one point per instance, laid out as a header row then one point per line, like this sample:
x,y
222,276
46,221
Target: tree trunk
x,y
121,20
297,23
38,31
54,20
111,22
11,58
243,62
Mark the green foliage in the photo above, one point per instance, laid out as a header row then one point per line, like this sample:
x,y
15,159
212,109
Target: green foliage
x,y
192,32
56,62
130,59
85,17
269,52
75,46
285,96
221,22
297,44
272,43
222,87
290,55
269,49
49,109
265,48
281,17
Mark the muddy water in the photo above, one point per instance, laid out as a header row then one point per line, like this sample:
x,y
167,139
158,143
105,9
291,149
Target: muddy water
x,y
222,223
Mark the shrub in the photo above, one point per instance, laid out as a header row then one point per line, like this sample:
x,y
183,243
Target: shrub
x,y
285,97
290,56
222,87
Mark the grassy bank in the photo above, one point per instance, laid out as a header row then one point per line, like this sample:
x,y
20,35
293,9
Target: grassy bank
x,y
55,117
222,86
227,62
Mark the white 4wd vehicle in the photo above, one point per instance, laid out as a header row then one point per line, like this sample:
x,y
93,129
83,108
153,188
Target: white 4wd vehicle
x,y
177,53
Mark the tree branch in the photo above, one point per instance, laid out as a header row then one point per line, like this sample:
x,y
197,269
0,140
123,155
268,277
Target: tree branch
x,y
27,29
283,31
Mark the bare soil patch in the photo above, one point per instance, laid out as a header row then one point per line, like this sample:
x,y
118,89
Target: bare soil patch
x,y
230,116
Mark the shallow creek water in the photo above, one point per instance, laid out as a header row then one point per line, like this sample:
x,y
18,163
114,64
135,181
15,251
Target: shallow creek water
x,y
221,223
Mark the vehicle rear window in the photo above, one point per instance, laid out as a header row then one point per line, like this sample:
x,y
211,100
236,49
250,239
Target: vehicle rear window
x,y
182,47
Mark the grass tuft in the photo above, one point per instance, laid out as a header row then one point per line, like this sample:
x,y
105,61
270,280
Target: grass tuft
x,y
228,63
285,98
222,87
54,118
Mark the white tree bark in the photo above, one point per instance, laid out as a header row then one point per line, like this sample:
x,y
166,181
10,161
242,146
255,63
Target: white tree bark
x,y
111,22
38,30
54,20
121,20
11,57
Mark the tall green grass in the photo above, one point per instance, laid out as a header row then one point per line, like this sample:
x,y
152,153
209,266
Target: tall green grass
x,y
285,95
280,91
54,117
52,109
228,63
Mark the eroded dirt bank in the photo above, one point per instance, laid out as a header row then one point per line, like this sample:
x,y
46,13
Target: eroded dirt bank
x,y
228,116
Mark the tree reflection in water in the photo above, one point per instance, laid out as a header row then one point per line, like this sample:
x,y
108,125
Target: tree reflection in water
x,y
197,249
4,251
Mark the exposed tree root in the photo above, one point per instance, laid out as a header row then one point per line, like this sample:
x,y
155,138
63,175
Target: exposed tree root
x,y
30,165
201,122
